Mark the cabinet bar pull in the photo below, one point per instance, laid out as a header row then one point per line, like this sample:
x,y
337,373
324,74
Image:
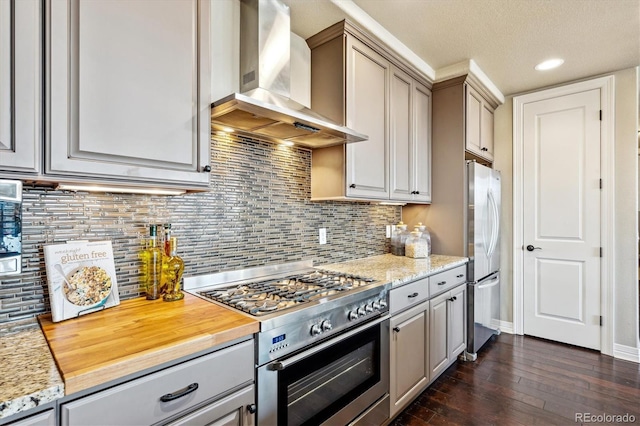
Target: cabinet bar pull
x,y
411,296
442,283
180,393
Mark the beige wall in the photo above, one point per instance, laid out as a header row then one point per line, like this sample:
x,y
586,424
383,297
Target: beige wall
x,y
626,206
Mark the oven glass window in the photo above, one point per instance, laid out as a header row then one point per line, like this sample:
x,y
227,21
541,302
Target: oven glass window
x,y
315,388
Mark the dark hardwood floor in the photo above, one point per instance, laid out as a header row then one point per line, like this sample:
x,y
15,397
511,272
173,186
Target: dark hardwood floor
x,y
520,380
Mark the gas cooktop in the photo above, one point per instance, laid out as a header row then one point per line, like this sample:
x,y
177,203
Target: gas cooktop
x,y
264,297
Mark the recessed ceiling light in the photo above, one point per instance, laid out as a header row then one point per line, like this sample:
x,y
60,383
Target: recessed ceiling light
x,y
549,64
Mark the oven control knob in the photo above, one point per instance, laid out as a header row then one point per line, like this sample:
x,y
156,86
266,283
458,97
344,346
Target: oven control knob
x,y
383,303
376,305
361,312
326,325
368,307
352,315
316,330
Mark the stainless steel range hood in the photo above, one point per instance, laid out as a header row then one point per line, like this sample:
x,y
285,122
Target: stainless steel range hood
x,y
264,108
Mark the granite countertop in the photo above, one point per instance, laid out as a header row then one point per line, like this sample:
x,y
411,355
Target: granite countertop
x,y
31,378
397,270
29,374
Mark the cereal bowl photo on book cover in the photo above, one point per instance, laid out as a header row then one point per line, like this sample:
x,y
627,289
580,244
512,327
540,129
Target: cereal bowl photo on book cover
x,y
88,286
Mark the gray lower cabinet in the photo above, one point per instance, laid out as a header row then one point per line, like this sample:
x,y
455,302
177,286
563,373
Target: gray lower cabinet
x,y
229,411
44,418
128,92
20,86
447,335
409,355
217,388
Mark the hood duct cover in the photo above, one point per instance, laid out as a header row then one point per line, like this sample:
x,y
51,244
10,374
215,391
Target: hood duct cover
x,y
264,108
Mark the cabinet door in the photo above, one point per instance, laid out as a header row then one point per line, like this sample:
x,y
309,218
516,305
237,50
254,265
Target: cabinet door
x,y
45,418
401,164
366,100
20,85
457,316
438,336
473,120
486,132
129,90
421,149
408,355
232,410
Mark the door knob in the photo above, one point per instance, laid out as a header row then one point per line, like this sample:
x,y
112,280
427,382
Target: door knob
x,y
532,248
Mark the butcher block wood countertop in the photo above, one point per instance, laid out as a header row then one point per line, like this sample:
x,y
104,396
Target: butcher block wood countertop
x,y
138,334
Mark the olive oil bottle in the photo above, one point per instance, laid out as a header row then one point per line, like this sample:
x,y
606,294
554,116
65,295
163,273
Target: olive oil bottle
x,y
172,273
152,265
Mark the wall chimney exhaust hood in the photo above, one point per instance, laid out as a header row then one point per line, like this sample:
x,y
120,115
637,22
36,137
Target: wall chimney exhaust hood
x,y
263,109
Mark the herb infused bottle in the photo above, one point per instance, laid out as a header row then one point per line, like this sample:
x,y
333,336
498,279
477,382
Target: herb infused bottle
x,y
174,267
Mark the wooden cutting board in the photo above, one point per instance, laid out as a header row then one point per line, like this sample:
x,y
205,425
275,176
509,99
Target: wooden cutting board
x,y
138,334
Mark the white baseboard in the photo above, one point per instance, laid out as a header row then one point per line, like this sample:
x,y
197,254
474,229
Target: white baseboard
x,y
503,326
627,353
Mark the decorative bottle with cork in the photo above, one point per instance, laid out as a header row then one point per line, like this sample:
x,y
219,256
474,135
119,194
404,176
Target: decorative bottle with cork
x,y
152,268
174,267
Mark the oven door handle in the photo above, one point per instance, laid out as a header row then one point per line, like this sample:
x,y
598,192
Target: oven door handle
x,y
281,365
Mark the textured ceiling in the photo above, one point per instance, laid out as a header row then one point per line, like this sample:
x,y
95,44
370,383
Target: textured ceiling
x,y
506,38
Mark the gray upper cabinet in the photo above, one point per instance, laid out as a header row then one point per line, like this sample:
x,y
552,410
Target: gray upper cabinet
x,y
128,87
357,83
410,142
20,86
366,100
479,125
465,110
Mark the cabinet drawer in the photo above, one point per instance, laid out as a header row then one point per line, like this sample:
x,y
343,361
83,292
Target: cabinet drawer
x,y
410,294
447,279
138,401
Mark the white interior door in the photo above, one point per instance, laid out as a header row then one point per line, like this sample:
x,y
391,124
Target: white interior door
x,y
561,218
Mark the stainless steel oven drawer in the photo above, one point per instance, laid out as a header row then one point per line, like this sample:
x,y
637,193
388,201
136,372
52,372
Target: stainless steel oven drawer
x,y
446,280
400,298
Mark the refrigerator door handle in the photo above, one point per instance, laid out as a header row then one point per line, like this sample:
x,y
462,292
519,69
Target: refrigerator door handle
x,y
496,223
489,284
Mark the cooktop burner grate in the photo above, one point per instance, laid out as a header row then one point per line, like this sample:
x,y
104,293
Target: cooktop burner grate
x,y
268,296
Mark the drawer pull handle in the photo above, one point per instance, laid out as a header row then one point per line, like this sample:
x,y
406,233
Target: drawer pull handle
x,y
179,394
442,283
460,276
411,296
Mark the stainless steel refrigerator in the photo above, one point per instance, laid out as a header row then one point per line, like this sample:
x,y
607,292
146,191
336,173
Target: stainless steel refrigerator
x,y
483,250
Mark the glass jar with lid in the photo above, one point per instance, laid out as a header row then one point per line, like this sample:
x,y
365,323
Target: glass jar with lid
x,y
416,246
425,236
399,238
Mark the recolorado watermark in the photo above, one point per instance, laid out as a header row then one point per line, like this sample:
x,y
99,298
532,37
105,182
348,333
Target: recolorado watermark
x,y
604,418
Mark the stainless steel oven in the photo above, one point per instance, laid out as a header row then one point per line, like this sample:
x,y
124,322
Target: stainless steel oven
x,y
323,347
341,380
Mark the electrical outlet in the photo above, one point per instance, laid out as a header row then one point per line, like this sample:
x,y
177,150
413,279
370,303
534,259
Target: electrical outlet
x,y
322,235
388,231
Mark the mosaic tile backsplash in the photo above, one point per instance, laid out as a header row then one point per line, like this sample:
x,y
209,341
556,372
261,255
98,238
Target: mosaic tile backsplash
x,y
258,211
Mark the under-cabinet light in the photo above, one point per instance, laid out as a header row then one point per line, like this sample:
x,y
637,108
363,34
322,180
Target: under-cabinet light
x,y
119,189
287,143
388,203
